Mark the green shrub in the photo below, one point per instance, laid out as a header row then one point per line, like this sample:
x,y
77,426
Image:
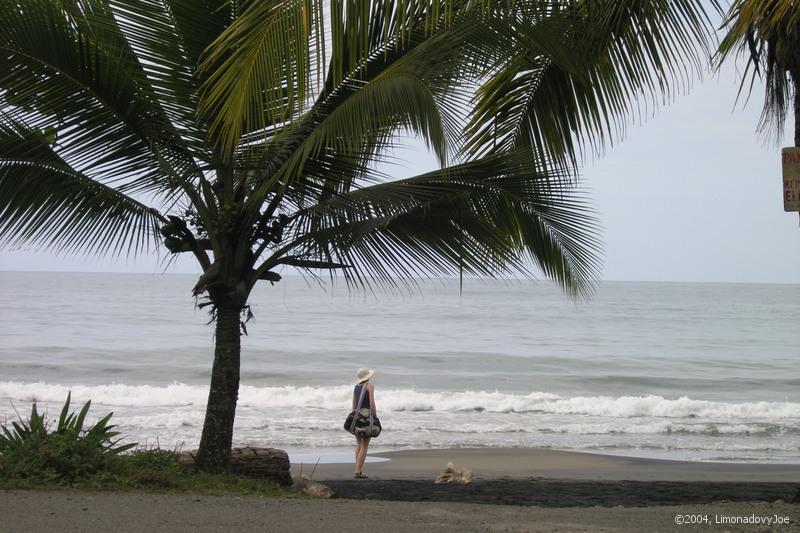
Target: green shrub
x,y
154,468
152,459
33,455
31,449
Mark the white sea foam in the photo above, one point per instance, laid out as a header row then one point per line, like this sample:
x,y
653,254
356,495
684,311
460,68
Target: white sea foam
x,y
408,400
310,417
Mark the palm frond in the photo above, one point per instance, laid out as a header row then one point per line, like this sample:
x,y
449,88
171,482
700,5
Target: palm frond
x,y
265,53
197,23
44,201
575,73
283,51
483,217
165,55
63,71
767,33
354,123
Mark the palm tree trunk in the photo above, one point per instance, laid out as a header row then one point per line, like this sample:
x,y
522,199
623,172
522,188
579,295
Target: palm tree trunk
x,y
797,111
215,442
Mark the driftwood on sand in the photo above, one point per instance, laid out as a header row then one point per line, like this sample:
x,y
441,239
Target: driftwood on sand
x,y
451,475
267,463
310,487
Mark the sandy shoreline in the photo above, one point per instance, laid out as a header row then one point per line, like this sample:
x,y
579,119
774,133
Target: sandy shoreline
x,y
549,478
528,463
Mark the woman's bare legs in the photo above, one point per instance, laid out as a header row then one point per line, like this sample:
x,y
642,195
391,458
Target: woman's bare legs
x,y
361,452
358,451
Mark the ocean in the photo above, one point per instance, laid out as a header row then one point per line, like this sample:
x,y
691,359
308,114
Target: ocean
x,y
705,372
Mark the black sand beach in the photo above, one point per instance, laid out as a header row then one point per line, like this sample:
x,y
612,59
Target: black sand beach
x,y
549,478
567,493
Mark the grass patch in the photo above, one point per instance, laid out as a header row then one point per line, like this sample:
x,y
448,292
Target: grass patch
x,y
35,454
150,471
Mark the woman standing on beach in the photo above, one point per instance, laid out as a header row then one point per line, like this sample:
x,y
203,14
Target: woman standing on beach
x,y
366,407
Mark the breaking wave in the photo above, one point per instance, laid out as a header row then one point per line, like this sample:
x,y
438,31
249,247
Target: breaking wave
x,y
408,400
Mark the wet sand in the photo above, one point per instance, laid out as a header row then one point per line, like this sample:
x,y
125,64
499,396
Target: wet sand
x,y
528,463
549,478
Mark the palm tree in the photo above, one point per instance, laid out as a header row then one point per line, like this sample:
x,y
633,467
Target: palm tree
x,y
768,33
247,134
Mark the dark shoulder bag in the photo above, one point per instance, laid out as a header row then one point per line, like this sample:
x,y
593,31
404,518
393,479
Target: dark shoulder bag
x,y
361,425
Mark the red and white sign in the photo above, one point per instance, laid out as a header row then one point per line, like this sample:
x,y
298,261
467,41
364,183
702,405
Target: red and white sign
x,y
791,179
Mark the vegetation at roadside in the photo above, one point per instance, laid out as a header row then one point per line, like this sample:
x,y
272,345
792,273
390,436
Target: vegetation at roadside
x,y
36,454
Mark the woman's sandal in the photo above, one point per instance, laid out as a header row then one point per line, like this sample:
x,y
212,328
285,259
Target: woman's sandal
x,y
359,475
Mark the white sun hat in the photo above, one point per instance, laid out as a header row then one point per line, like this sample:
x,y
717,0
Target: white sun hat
x,y
363,375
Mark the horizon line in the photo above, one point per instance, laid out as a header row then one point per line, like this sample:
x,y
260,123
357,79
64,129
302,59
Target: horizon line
x,y
433,278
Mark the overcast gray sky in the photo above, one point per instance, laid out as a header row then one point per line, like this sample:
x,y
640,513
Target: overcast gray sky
x,y
693,194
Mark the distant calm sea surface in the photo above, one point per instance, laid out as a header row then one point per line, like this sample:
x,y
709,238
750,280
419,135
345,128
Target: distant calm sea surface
x,y
689,371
